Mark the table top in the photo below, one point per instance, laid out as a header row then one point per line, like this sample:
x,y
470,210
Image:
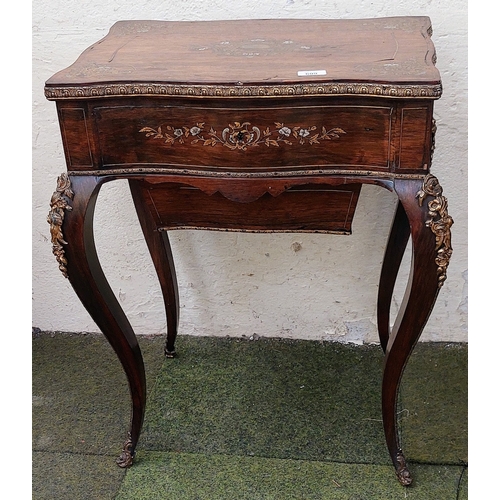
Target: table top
x,y
383,56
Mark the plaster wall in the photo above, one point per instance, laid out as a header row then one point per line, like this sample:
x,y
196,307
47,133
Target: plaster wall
x,y
288,285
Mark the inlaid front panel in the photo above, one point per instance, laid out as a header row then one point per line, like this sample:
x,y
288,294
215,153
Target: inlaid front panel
x,y
275,138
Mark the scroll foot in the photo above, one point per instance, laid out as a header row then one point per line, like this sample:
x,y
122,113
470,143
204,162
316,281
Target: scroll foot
x,y
402,471
126,457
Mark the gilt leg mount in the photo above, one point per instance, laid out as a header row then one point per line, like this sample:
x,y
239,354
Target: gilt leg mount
x,y
59,204
439,222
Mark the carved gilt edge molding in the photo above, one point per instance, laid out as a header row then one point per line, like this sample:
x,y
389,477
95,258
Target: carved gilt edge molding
x,y
439,223
58,204
432,91
256,231
180,171
242,135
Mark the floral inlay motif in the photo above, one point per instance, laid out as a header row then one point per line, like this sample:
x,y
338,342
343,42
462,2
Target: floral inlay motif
x,y
439,222
243,135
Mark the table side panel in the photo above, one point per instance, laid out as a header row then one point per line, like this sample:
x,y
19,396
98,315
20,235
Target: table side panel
x,y
76,138
415,139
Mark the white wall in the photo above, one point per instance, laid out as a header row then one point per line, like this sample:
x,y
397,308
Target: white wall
x,y
243,284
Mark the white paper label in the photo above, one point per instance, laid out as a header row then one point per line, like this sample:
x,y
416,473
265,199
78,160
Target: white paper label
x,y
312,72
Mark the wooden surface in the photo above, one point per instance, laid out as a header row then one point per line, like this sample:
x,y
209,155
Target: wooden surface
x,y
397,50
237,136
214,128
177,206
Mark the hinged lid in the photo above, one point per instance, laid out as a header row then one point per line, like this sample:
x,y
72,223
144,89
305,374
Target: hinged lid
x,y
391,57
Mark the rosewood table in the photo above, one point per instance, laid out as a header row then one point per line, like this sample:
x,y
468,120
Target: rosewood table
x,y
263,126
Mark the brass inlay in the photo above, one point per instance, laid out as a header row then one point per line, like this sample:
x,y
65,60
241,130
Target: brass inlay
x,y
429,91
260,231
439,223
133,170
58,205
242,135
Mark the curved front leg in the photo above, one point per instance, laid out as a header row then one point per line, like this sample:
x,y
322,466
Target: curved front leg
x,y
161,253
427,213
71,221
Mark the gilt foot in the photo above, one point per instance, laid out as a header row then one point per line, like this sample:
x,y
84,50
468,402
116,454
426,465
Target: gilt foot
x,y
126,457
170,354
402,471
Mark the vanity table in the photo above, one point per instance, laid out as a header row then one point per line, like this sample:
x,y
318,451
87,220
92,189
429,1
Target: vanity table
x,y
261,126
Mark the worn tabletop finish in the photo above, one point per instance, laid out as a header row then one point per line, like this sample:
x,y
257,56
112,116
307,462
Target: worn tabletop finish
x,y
260,126
263,52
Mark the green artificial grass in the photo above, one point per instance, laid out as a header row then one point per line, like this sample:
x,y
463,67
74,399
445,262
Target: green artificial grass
x,y
433,396
238,419
81,400
271,398
214,477
70,476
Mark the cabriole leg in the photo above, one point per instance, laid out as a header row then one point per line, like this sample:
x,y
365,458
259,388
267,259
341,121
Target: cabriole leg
x,y
394,252
427,213
161,253
71,222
